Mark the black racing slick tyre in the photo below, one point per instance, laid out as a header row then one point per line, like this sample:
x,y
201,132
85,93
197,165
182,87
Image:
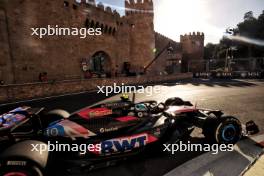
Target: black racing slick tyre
x,y
175,101
222,130
21,171
53,116
20,160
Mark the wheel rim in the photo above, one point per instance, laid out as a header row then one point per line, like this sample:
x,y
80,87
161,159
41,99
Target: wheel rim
x,y
15,174
229,132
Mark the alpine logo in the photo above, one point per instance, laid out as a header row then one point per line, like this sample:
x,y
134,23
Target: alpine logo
x,y
123,144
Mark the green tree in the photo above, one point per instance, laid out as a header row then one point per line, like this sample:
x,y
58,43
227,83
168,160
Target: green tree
x,y
252,28
209,51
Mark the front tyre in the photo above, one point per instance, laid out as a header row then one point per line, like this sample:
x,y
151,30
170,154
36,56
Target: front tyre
x,y
223,130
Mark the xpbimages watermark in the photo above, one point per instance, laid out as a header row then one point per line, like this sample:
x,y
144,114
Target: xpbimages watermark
x,y
117,89
63,31
189,147
58,147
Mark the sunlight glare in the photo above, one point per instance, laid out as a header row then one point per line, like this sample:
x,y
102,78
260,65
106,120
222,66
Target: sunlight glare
x,y
177,17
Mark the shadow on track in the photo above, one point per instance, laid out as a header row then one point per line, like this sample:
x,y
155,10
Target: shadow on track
x,y
69,103
152,161
212,83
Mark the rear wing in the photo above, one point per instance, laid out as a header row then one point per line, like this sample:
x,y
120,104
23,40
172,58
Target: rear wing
x,y
13,119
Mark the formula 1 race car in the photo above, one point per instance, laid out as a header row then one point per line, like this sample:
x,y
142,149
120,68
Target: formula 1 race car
x,y
109,131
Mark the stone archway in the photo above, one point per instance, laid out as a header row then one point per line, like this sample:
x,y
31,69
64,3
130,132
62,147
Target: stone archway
x,y
101,63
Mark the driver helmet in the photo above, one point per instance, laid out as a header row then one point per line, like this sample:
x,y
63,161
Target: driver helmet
x,y
124,97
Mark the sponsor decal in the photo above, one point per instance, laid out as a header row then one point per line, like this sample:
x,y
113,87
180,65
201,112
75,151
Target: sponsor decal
x,y
99,113
131,113
117,105
124,144
16,163
96,112
67,128
106,130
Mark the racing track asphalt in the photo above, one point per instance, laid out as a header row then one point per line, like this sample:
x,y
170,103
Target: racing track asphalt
x,y
241,98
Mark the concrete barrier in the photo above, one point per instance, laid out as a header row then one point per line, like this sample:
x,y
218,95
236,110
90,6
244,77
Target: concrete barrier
x,y
10,93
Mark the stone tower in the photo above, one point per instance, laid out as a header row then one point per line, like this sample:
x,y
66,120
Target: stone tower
x,y
193,51
142,37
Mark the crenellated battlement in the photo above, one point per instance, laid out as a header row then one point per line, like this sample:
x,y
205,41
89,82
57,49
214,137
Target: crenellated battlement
x,y
159,35
136,3
193,35
139,6
88,4
131,6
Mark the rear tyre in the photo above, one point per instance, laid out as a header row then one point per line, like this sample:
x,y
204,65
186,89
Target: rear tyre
x,y
53,116
21,171
222,130
20,160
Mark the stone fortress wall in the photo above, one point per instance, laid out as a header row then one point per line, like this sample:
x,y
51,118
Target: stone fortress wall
x,y
129,38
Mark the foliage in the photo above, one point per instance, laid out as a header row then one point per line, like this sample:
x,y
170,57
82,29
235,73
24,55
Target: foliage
x,y
252,28
209,51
